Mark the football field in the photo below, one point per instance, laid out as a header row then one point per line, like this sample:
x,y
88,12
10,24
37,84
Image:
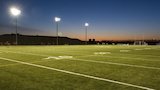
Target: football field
x,y
80,67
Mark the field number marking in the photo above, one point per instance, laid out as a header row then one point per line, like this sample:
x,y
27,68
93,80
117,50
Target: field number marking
x,y
124,50
59,57
147,48
102,53
138,49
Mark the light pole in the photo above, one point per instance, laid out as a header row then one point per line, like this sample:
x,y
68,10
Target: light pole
x,y
86,27
57,20
15,12
143,39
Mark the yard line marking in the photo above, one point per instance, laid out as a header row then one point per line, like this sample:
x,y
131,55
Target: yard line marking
x,y
78,74
122,64
140,55
121,57
132,58
26,53
20,64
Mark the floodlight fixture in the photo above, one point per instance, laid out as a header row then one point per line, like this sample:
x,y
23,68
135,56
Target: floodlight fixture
x,y
15,12
86,24
57,19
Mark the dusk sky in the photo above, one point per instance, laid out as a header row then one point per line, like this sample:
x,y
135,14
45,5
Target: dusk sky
x,y
108,19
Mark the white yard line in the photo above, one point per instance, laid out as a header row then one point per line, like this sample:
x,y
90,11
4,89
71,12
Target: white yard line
x,y
120,64
20,64
120,57
77,74
139,55
133,58
26,53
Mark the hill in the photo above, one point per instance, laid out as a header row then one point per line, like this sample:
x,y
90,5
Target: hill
x,y
9,39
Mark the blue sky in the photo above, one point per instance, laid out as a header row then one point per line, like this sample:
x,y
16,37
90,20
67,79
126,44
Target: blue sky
x,y
109,19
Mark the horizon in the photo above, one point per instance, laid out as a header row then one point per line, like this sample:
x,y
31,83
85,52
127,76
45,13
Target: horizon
x,y
108,19
153,39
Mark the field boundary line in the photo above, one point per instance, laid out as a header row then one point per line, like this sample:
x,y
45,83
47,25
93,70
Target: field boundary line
x,y
120,64
78,74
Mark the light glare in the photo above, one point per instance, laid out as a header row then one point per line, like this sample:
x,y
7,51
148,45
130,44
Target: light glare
x,y
57,19
86,24
15,11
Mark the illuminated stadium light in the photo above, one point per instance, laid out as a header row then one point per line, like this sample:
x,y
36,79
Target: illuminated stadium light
x,y
15,12
86,24
57,19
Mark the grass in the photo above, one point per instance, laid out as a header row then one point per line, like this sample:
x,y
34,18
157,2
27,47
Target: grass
x,y
113,66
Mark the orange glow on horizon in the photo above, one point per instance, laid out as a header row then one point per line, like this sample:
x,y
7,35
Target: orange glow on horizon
x,y
118,37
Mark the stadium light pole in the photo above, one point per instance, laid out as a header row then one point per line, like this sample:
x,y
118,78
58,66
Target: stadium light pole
x,y
86,28
57,20
15,12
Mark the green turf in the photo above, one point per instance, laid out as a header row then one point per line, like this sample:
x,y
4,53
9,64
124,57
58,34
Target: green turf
x,y
16,76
